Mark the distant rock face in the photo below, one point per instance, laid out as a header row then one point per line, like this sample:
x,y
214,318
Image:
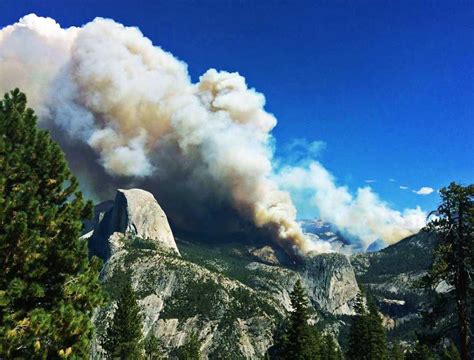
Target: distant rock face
x,y
331,283
266,255
390,274
134,212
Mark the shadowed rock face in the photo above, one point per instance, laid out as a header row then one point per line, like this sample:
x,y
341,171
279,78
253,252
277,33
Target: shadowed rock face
x,y
134,212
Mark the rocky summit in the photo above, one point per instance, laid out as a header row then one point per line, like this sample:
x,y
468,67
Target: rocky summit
x,y
232,295
134,212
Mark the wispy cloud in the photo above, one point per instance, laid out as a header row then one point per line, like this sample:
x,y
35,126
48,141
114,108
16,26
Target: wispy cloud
x,y
425,190
370,181
403,187
300,150
392,180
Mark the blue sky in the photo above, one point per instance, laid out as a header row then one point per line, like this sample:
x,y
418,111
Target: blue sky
x,y
387,85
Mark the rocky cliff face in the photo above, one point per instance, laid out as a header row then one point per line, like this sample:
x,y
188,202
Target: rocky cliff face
x,y
134,212
390,274
233,306
232,295
179,298
331,282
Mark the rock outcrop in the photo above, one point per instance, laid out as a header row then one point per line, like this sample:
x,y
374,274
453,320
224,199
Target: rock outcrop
x,y
331,283
134,212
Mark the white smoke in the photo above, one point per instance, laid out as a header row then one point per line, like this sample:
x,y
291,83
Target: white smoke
x,y
364,216
130,110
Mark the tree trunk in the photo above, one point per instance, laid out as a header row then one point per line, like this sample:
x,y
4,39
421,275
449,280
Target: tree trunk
x,y
462,287
463,312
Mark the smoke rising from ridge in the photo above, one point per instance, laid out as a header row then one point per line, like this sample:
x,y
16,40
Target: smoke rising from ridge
x,y
127,114
363,215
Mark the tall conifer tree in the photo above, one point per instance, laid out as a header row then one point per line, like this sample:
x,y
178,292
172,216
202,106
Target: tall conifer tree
x,y
329,349
302,341
421,352
450,353
192,350
367,338
396,352
453,260
48,286
378,336
153,349
123,339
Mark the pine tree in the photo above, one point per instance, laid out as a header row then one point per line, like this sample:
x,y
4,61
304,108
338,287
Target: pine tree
x,y
359,336
153,348
329,349
453,261
421,352
367,338
48,286
378,337
191,350
123,339
301,340
451,353
396,352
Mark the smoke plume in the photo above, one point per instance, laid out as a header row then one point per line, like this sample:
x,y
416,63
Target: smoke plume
x,y
127,114
364,216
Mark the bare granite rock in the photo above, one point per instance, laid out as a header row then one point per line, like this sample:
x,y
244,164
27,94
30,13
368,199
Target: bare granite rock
x,y
331,283
135,212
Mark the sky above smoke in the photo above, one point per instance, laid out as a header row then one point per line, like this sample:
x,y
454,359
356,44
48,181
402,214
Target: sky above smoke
x,y
127,114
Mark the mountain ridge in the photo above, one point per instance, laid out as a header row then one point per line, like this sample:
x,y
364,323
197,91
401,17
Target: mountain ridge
x,y
233,295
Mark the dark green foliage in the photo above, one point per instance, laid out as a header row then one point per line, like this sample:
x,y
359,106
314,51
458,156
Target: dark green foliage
x,y
195,298
386,262
246,304
200,298
378,338
303,340
123,338
113,287
189,351
424,352
421,352
296,339
379,270
222,259
453,261
450,353
329,349
48,286
396,352
300,341
153,348
359,335
367,338
134,242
